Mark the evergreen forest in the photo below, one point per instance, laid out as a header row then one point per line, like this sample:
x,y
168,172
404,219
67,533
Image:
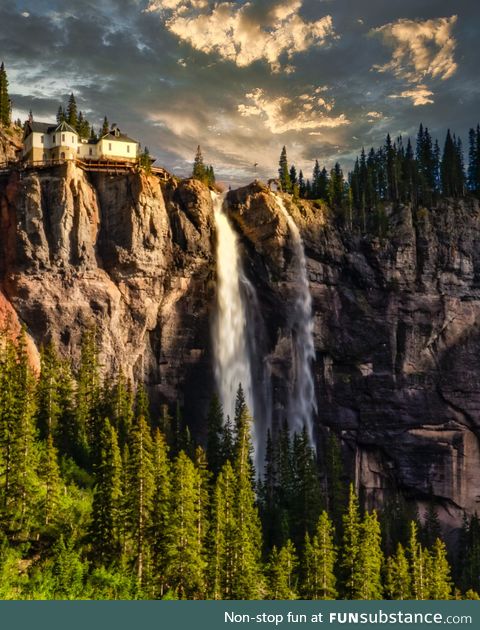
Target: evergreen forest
x,y
100,499
419,173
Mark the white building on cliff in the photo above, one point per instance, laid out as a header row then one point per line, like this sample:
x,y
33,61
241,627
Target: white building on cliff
x,y
44,142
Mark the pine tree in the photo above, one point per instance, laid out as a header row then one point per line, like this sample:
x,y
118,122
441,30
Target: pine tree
x,y
336,188
438,572
48,404
61,115
72,113
199,169
107,498
294,181
370,559
410,176
283,172
351,547
418,570
306,496
470,554
459,168
308,189
227,442
474,161
20,454
287,486
203,483
105,127
320,555
222,535
5,104
281,572
9,411
277,493
214,436
323,184
120,409
139,494
186,563
69,437
50,475
447,171
391,159
302,188
83,126
209,179
88,418
142,403
337,489
160,521
247,576
316,183
397,583
268,493
426,165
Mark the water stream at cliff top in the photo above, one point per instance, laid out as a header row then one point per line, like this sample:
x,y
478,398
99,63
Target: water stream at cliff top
x,y
302,403
232,360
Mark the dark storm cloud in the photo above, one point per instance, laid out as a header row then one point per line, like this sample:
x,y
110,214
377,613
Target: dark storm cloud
x,y
173,90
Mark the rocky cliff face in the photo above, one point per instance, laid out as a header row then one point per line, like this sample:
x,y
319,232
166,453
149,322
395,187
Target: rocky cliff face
x,y
10,143
119,254
396,321
396,336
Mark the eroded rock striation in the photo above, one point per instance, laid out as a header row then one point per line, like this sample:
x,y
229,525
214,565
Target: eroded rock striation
x,y
397,338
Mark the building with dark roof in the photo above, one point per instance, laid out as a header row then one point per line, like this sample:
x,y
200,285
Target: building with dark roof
x,y
44,142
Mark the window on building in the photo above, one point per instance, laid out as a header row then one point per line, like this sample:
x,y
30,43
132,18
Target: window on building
x,y
128,148
73,139
109,146
54,139
63,137
78,149
90,152
41,139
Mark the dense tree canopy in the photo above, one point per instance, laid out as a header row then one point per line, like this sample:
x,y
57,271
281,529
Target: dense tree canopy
x,y
399,172
99,498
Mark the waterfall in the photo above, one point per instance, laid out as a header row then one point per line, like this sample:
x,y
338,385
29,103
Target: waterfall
x,y
302,404
232,360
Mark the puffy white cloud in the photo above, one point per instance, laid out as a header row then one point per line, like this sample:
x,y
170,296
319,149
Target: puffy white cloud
x,y
281,114
420,48
374,116
236,33
180,5
419,94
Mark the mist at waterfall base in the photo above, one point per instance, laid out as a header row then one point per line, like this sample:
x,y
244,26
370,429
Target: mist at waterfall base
x,y
302,404
238,325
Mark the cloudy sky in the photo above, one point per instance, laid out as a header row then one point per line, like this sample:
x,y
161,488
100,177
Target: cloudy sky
x,y
244,78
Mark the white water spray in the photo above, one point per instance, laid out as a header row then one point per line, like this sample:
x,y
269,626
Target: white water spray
x,y
232,361
303,404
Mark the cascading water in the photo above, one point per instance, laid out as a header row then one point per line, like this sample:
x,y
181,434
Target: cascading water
x,y
232,361
303,404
